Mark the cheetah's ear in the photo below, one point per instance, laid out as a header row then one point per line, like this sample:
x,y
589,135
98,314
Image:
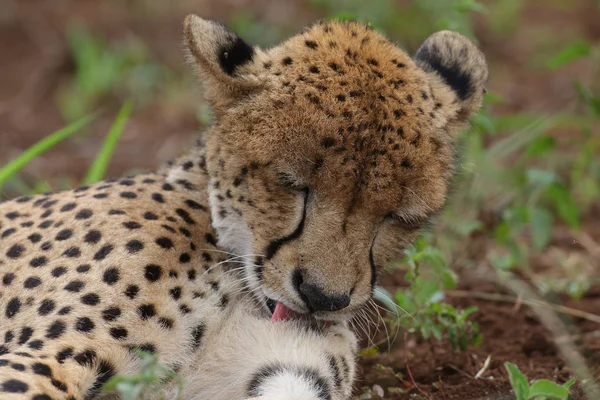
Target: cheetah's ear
x,y
221,58
459,64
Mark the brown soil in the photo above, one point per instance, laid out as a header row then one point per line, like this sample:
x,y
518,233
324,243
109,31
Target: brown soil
x,y
35,64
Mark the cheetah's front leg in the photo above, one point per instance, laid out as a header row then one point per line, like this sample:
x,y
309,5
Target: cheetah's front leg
x,y
252,358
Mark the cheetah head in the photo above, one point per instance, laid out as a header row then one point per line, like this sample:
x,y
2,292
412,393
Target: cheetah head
x,y
329,152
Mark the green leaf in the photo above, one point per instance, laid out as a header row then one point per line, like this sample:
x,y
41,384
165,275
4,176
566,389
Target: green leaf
x,y
546,389
540,146
569,383
98,168
541,227
569,54
565,204
384,297
42,146
540,177
518,381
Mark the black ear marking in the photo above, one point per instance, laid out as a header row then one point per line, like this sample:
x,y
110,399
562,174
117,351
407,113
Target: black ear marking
x,y
234,54
449,69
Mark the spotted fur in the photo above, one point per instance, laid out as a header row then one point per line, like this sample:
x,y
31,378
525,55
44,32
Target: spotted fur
x,y
327,154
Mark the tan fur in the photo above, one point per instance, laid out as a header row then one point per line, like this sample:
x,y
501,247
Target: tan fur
x,y
327,154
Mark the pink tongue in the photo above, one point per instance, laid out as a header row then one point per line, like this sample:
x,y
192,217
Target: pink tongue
x,y
281,312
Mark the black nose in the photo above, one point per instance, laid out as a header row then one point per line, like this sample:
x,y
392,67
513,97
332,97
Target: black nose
x,y
316,299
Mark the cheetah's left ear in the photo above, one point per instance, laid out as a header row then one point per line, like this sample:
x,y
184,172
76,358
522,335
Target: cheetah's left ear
x,y
221,58
460,65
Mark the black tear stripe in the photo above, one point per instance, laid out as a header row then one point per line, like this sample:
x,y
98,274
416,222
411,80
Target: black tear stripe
x,y
274,246
235,54
319,383
373,269
449,70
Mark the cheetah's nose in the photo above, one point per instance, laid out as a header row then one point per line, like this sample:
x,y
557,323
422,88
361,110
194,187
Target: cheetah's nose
x,y
316,299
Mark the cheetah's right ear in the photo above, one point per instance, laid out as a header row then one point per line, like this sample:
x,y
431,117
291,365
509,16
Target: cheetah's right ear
x,y
456,62
221,58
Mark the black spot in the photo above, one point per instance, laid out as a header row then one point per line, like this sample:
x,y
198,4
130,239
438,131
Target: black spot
x,y
34,237
313,69
92,237
127,182
32,282
195,205
406,164
25,335
46,307
111,314
118,333
100,195
90,299
15,251
134,246
164,242
116,212
103,252
8,232
175,293
46,246
86,357
68,207
184,258
167,187
287,61
150,216
8,336
184,309
74,286
12,215
196,336
191,275
36,344
46,224
111,276
153,272
41,369
72,252
13,307
166,323
132,225
158,197
59,385
8,278
185,232
84,214
185,216
62,355
311,44
84,324
56,330
59,271
210,239
14,386
64,311
17,367
105,372
146,311
128,195
82,269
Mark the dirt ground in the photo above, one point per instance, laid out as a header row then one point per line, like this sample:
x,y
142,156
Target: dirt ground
x,y
35,63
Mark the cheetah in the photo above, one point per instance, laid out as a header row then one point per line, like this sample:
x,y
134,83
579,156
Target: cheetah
x,y
241,263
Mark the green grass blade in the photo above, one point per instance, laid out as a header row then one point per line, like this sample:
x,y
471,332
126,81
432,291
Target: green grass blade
x,y
98,168
42,146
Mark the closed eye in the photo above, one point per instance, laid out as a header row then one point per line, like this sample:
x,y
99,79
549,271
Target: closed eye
x,y
409,222
289,181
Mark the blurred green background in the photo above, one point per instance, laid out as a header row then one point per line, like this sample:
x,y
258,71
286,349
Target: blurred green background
x,y
527,199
